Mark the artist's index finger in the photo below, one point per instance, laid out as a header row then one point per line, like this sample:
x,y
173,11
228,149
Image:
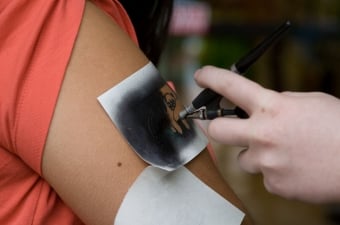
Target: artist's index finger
x,y
236,88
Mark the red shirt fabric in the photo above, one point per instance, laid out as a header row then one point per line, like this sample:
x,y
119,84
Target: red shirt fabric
x,y
36,41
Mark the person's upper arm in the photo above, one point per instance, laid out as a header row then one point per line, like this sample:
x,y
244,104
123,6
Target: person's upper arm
x,y
86,160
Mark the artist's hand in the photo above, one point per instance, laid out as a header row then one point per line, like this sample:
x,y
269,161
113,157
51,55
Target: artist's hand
x,y
293,139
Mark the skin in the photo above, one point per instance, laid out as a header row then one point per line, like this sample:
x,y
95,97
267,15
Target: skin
x,y
86,160
291,138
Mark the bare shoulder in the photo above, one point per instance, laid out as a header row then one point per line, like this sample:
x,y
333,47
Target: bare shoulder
x,y
86,160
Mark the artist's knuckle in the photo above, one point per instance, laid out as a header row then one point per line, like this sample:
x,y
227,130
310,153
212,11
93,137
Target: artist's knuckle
x,y
263,137
266,161
246,165
269,103
269,186
280,186
274,186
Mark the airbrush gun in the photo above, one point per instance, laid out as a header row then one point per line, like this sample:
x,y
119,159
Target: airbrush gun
x,y
240,67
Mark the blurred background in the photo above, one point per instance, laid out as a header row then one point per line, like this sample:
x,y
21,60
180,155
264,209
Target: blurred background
x,y
218,32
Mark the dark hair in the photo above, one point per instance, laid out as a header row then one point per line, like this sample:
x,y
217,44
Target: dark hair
x,y
151,22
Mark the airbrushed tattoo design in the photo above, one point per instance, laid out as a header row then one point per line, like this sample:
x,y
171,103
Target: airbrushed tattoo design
x,y
146,111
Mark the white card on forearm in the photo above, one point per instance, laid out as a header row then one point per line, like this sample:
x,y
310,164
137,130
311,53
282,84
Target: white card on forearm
x,y
160,197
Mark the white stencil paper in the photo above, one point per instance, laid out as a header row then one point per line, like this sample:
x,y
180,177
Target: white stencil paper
x,y
160,197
